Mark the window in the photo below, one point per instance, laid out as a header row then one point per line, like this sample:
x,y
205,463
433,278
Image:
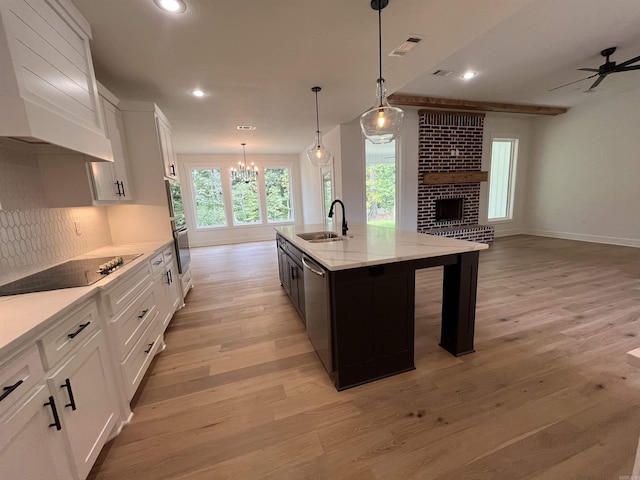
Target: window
x,y
502,177
278,191
381,183
246,206
209,200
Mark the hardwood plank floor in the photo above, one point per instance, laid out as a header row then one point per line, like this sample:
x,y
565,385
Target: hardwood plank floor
x,y
239,392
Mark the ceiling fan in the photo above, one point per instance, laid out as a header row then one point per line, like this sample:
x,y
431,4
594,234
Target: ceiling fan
x,y
605,69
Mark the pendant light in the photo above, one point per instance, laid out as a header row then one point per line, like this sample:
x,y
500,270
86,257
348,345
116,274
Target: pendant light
x,y
381,123
317,153
244,173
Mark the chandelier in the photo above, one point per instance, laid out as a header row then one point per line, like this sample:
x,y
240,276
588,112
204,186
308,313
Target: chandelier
x,y
244,173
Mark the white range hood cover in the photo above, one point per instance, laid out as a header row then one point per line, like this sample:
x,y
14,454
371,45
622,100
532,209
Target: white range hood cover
x,y
48,91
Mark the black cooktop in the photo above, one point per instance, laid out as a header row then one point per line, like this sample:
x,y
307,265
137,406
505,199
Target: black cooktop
x,y
74,273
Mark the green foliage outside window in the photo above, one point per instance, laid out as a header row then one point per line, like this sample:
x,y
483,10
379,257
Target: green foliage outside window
x,y
246,207
278,184
207,186
381,193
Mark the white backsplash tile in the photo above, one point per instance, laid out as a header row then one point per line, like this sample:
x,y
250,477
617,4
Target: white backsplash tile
x,y
33,237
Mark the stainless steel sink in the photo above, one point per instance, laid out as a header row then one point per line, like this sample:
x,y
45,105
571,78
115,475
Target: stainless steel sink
x,y
318,237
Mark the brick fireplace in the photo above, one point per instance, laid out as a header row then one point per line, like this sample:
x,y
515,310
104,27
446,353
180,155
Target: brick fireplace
x,y
450,158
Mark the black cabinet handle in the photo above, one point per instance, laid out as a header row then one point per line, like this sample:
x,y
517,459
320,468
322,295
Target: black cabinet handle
x,y
122,185
158,262
54,410
80,328
150,347
172,169
8,390
143,313
168,275
294,273
117,184
72,401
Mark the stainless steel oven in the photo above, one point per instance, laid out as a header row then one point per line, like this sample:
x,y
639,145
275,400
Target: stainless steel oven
x,y
181,241
178,224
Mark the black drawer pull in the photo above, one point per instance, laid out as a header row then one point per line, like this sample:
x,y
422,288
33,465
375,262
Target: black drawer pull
x,y
150,347
54,410
8,390
143,313
80,328
158,262
72,402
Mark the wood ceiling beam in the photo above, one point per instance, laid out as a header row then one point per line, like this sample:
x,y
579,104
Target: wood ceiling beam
x,y
451,104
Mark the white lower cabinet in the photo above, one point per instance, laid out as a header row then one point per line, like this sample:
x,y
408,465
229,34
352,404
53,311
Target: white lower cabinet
x,y
67,390
85,398
31,446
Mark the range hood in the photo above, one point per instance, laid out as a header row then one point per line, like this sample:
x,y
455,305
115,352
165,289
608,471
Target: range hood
x,y
48,91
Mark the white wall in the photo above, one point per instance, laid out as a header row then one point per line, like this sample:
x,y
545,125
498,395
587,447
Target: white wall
x,y
247,233
584,173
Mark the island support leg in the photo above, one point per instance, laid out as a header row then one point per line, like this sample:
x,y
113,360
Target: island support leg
x,y
459,304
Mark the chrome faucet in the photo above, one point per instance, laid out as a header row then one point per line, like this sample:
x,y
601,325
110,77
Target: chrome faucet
x,y
344,216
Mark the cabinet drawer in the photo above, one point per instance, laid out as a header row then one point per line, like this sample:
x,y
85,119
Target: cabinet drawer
x,y
157,262
168,255
136,364
131,323
127,288
69,333
18,375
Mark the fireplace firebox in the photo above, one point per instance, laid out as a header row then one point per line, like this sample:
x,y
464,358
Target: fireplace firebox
x,y
449,209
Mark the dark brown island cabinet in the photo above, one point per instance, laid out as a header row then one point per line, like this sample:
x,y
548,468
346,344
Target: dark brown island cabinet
x,y
364,330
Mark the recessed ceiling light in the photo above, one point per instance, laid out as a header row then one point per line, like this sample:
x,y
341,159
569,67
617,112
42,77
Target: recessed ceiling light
x,y
469,75
172,6
196,92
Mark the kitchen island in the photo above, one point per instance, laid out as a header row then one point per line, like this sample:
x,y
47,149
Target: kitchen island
x,y
371,295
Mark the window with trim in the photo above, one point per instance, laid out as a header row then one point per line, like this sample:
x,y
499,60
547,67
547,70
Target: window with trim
x,y
381,183
209,198
504,153
278,192
246,202
268,199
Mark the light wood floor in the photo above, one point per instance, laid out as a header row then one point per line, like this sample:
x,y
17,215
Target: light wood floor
x,y
240,394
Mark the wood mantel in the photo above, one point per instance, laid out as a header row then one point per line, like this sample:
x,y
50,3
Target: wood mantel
x,y
440,178
452,104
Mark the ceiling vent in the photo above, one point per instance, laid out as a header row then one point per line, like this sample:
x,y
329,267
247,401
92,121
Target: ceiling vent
x,y
442,73
406,46
245,127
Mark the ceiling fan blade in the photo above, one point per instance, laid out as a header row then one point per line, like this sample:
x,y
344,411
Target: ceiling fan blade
x,y
589,69
627,69
628,62
597,82
571,83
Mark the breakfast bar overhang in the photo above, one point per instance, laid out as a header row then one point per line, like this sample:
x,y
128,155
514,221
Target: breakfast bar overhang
x,y
372,296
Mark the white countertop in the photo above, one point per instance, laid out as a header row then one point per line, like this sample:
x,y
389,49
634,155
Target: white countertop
x,y
30,313
370,245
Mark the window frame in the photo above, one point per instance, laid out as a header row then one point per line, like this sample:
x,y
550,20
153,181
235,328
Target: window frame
x,y
225,171
292,218
511,185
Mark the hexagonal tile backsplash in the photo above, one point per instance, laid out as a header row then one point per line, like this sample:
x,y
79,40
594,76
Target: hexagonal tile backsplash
x,y
33,237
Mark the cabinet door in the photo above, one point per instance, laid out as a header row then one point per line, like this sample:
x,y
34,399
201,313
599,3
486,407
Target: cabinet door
x,y
170,292
111,180
31,447
85,396
166,148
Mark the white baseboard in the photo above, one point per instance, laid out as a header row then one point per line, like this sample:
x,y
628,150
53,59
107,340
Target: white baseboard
x,y
582,237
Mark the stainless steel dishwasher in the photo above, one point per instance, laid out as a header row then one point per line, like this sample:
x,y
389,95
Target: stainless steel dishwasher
x,y
318,313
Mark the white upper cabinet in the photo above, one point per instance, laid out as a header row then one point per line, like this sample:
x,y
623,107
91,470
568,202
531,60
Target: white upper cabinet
x,y
48,90
110,181
166,145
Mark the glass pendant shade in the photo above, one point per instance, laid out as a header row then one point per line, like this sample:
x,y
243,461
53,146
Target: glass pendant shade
x,y
318,154
382,123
